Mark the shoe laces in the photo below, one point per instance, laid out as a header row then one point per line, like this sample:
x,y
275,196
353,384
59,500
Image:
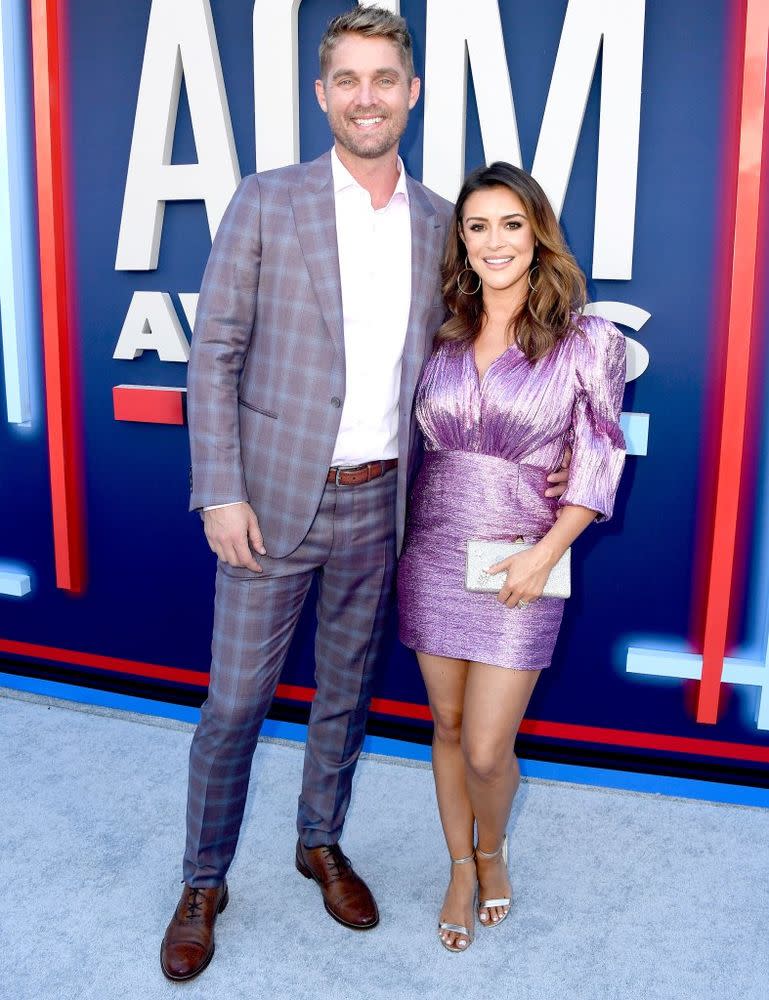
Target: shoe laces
x,y
337,862
194,903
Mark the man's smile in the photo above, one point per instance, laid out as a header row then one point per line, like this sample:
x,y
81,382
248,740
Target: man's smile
x,y
369,121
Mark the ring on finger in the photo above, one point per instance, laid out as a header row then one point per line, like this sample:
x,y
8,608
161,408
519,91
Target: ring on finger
x,y
522,604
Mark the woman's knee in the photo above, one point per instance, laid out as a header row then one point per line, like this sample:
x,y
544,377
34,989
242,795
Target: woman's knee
x,y
486,760
447,724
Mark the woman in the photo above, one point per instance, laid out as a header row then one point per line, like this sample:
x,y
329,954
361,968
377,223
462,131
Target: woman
x,y
517,376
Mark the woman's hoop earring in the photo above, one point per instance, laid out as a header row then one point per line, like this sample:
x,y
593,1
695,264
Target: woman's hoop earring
x,y
531,271
467,267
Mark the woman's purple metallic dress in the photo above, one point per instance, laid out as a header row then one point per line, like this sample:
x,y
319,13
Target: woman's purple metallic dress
x,y
490,445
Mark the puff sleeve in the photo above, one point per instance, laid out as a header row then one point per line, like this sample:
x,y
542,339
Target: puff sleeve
x,y
597,442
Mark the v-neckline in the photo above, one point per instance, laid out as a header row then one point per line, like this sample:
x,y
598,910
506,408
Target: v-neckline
x,y
482,378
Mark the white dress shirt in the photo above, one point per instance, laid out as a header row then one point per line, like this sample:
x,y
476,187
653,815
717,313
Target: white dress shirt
x,y
375,269
374,248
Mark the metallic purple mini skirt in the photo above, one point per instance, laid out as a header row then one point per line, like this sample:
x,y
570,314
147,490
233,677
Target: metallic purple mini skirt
x,y
460,495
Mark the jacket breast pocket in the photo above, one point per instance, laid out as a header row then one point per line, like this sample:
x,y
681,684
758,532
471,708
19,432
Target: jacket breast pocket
x,y
257,409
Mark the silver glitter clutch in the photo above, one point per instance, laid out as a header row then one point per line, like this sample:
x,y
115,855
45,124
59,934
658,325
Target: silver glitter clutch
x,y
482,554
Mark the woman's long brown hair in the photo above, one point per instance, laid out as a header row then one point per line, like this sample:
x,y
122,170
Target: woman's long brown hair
x,y
559,285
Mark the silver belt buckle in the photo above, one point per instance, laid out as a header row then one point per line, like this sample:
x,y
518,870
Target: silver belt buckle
x,y
351,468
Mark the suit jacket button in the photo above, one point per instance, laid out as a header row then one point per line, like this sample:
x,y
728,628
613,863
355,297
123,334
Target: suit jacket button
x,y
336,401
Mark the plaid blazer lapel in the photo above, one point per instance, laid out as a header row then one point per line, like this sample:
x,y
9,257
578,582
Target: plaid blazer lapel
x,y
426,250
315,221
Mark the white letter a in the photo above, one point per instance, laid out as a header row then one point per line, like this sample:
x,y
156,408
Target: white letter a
x,y
180,40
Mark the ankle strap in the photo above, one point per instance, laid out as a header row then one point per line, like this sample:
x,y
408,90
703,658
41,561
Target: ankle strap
x,y
493,854
463,861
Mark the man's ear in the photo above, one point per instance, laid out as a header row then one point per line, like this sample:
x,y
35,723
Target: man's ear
x,y
320,93
415,88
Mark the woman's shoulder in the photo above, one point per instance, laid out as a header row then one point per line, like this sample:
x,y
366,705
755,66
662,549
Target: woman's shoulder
x,y
449,350
593,338
443,359
599,350
591,330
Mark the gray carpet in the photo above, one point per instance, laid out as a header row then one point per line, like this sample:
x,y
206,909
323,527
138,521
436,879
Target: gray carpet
x,y
618,895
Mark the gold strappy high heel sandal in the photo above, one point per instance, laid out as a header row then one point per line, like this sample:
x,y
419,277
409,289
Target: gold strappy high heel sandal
x,y
484,904
457,928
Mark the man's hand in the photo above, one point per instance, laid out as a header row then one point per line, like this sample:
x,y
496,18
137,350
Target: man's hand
x,y
232,533
560,478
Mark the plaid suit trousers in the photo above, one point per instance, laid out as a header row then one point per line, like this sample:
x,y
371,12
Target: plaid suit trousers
x,y
350,547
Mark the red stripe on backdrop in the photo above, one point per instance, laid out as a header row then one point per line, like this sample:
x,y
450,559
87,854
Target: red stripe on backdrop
x,y
64,446
53,654
408,710
742,297
646,741
727,142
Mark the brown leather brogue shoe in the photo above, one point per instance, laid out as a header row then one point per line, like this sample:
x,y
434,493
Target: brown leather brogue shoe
x,y
346,896
188,945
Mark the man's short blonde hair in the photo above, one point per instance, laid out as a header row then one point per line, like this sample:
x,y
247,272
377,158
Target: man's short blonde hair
x,y
371,22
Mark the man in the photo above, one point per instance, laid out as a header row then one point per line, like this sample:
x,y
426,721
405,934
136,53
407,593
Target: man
x,y
317,310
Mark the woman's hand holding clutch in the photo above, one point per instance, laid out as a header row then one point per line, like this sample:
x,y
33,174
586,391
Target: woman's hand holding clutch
x,y
527,574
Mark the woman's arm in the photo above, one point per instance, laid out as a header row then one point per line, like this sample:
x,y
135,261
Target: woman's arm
x,y
598,455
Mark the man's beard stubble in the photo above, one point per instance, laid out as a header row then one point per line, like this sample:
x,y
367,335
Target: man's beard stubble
x,y
366,150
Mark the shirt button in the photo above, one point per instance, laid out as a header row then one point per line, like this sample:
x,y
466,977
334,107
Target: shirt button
x,y
336,401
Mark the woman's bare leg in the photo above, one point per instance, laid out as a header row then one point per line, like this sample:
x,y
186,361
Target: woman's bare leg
x,y
495,701
445,682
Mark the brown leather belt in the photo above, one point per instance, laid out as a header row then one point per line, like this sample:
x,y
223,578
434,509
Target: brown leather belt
x,y
355,475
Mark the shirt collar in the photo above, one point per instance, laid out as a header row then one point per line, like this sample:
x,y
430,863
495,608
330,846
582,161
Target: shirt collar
x,y
344,180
